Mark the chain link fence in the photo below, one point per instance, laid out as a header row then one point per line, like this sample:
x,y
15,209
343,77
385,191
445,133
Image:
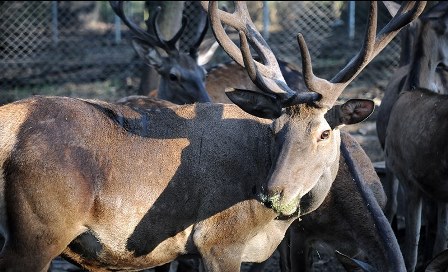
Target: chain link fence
x,y
80,48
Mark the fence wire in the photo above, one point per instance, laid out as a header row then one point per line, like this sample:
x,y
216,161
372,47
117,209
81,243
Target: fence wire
x,y
80,48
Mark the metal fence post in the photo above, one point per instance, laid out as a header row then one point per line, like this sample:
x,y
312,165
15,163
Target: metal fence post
x,y
265,20
54,21
351,20
117,29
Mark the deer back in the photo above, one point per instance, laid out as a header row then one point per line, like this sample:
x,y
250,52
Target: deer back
x,y
424,58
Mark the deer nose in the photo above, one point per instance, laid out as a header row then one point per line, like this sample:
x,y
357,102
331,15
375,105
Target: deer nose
x,y
276,200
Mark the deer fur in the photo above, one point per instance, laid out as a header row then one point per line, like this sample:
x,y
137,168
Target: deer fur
x,y
90,155
416,155
425,47
424,44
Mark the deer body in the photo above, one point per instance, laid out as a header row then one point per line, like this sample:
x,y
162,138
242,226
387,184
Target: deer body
x,y
424,71
417,155
426,153
424,52
121,216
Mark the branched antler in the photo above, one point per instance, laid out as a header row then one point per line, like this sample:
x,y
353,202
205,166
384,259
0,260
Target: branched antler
x,y
267,75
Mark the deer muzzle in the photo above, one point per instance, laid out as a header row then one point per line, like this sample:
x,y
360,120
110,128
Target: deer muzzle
x,y
280,204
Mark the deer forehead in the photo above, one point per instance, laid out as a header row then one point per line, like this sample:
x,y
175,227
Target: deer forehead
x,y
303,119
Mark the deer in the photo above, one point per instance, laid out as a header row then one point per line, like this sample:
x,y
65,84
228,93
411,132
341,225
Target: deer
x,y
216,85
415,154
73,181
344,181
181,75
424,46
425,84
425,32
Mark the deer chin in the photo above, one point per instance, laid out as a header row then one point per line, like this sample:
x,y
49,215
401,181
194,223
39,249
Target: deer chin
x,y
276,203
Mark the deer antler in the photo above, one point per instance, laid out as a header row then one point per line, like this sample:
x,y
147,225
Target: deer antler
x,y
373,44
194,48
168,45
266,75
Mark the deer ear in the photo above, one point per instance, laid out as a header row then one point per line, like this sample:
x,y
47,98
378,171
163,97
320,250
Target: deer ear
x,y
351,112
147,52
255,103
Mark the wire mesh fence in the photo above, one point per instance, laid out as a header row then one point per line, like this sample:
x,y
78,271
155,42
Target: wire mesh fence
x,y
80,48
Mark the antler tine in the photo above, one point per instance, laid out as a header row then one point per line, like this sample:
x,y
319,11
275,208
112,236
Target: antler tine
x,y
278,87
267,75
195,46
235,21
117,7
399,21
373,44
170,45
241,21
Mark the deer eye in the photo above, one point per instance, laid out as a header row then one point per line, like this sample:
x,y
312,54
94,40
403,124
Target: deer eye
x,y
173,77
325,134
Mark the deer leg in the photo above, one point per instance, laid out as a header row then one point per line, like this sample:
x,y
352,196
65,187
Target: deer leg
x,y
430,214
12,260
413,224
442,228
299,254
222,259
391,189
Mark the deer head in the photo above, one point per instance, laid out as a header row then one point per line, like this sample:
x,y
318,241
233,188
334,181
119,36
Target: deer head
x,y
300,118
182,77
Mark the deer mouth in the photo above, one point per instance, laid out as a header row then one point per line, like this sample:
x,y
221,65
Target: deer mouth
x,y
275,203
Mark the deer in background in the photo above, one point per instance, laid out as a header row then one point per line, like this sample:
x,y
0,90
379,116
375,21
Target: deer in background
x,y
96,181
181,75
414,144
426,33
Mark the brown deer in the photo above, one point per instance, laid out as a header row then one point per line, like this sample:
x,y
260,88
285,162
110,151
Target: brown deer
x,y
416,155
424,81
424,63
343,191
114,187
423,43
181,76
